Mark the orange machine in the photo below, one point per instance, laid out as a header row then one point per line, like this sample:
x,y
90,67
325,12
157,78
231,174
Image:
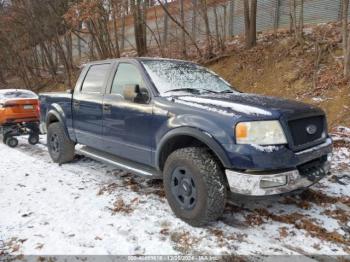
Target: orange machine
x,y
19,115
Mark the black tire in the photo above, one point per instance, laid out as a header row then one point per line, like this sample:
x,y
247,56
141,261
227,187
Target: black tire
x,y
11,141
61,148
4,137
189,170
33,139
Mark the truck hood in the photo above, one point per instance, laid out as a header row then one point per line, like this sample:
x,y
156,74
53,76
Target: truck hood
x,y
248,104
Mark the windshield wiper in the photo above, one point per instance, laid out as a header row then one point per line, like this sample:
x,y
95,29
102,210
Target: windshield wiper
x,y
193,90
225,91
209,91
190,90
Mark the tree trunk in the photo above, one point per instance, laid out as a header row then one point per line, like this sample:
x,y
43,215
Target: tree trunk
x,y
246,23
224,28
301,24
253,9
231,18
124,13
346,39
50,62
115,31
204,10
79,42
217,33
250,22
276,16
166,25
194,19
183,34
139,31
2,77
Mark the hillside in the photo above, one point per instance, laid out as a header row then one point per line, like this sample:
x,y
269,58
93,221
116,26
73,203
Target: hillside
x,y
278,67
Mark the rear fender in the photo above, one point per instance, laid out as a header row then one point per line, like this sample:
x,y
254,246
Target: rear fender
x,y
56,114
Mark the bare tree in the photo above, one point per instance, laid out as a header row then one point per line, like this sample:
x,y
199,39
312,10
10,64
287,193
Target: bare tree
x,y
250,9
181,27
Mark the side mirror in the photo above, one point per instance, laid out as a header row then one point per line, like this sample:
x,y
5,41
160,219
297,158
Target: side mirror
x,y
134,93
70,91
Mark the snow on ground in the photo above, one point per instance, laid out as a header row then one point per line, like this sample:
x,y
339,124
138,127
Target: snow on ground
x,y
87,207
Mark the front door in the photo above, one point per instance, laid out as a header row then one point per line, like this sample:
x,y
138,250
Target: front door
x,y
87,106
126,124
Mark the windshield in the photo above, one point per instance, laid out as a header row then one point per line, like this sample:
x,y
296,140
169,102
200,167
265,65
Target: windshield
x,y
16,94
173,76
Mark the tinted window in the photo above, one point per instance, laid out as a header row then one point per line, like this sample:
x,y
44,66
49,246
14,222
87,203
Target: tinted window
x,y
127,74
95,78
17,94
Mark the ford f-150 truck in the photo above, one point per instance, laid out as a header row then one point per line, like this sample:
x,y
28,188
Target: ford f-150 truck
x,y
179,121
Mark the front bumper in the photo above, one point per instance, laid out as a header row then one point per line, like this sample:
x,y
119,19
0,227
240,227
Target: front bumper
x,y
276,183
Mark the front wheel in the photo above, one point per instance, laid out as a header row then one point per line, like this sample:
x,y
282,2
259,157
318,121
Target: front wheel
x,y
194,185
61,148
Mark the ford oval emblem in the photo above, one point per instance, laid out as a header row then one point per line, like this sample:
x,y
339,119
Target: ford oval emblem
x,y
311,129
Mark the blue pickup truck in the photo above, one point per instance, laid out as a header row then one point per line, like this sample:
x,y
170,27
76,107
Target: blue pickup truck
x,y
179,121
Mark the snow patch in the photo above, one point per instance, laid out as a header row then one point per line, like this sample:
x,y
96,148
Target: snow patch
x,y
234,106
267,149
200,106
47,209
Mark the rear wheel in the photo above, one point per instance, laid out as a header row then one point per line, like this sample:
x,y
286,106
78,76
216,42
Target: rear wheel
x,y
195,185
12,142
33,139
61,148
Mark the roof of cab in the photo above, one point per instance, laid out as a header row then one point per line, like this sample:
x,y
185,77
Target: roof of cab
x,y
135,59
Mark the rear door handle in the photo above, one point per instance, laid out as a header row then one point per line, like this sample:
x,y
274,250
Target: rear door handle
x,y
107,107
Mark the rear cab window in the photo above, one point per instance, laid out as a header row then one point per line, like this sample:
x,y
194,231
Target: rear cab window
x,y
95,78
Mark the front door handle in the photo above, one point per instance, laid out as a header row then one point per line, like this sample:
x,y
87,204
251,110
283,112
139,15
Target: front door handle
x,y
107,107
76,104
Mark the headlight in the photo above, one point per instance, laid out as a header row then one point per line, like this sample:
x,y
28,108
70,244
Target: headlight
x,y
260,133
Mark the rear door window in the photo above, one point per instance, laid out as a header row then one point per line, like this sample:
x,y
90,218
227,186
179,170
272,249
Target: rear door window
x,y
95,78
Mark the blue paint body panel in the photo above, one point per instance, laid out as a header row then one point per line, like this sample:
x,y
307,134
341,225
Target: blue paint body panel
x,y
138,131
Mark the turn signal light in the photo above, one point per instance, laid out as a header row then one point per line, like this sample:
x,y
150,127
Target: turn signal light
x,y
241,130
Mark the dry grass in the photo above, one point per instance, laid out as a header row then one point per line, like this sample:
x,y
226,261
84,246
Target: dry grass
x,y
278,67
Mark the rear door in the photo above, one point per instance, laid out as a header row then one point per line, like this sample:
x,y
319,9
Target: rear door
x,y
126,124
87,105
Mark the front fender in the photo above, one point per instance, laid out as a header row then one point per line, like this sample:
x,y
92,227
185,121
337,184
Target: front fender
x,y
197,133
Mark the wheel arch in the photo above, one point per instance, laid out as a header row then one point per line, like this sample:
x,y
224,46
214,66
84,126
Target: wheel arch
x,y
186,137
53,116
